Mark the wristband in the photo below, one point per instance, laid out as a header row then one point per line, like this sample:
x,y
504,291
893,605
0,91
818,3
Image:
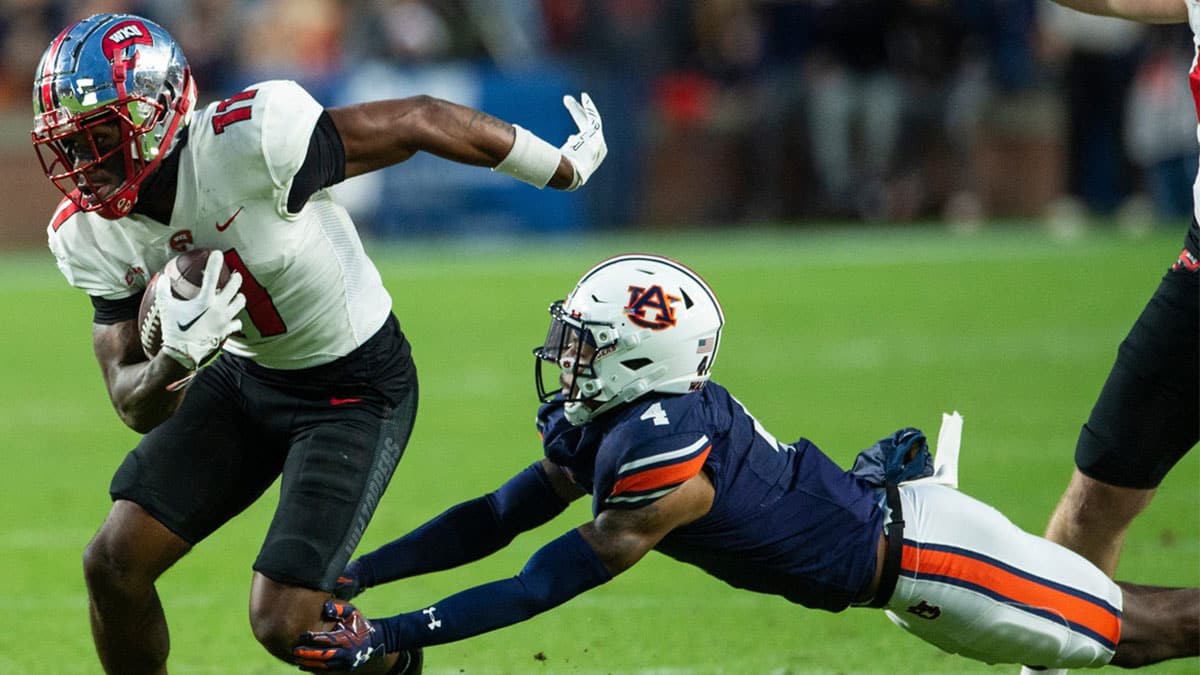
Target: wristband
x,y
531,160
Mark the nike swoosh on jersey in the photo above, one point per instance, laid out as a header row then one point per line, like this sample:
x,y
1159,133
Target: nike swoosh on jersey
x,y
226,224
186,325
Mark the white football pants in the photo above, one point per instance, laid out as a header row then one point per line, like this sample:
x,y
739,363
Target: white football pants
x,y
974,584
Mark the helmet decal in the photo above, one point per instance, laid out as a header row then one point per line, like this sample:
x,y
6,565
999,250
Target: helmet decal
x,y
124,34
654,299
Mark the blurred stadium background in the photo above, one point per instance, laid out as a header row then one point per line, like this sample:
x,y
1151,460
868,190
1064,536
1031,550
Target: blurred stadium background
x,y
907,206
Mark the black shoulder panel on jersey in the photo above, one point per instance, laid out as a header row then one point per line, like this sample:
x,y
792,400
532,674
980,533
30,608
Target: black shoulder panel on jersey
x,y
324,165
108,312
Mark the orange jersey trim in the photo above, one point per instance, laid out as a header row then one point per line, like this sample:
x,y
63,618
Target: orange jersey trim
x,y
672,474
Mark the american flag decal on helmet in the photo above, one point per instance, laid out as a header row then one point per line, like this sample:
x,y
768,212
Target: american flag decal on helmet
x,y
705,345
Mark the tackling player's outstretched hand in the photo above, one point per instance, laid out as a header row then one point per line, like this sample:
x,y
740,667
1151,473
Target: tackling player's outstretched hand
x,y
351,643
349,583
586,149
193,329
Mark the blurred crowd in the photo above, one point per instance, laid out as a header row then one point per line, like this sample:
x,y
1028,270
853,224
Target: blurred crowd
x,y
760,110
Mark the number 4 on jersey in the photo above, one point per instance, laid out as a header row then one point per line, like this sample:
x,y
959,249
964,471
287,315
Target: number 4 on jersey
x,y
657,414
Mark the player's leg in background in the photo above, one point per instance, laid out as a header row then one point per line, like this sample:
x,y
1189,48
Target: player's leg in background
x,y
1092,518
120,565
1157,624
1143,422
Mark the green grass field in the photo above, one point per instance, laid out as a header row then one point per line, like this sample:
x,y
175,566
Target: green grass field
x,y
838,335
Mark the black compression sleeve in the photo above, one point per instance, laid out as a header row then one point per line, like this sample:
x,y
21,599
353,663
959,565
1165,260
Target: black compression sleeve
x,y
107,312
468,531
324,165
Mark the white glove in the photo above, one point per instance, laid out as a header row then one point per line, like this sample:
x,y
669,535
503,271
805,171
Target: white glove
x,y
193,329
586,149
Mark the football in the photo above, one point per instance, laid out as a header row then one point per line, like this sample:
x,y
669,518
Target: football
x,y
186,273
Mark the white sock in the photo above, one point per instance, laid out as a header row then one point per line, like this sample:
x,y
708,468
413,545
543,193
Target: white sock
x,y
1026,670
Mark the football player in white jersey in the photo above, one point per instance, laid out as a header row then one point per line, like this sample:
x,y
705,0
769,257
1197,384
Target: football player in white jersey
x,y
315,382
1146,416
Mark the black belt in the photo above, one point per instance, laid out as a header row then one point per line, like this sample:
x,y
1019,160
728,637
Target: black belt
x,y
895,544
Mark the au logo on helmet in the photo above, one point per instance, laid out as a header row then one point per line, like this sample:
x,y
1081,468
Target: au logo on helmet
x,y
654,299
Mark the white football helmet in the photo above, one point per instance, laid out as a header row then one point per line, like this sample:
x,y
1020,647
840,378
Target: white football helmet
x,y
634,324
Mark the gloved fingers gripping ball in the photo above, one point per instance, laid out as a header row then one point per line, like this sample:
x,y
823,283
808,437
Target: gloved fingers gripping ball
x,y
190,307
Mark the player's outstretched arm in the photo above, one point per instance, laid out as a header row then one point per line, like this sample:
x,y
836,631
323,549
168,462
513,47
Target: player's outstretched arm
x,y
1146,11
467,532
382,133
578,561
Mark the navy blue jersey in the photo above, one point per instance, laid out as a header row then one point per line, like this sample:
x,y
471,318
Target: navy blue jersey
x,y
785,519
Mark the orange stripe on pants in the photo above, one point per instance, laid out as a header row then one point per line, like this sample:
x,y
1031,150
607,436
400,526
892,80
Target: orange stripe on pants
x,y
925,562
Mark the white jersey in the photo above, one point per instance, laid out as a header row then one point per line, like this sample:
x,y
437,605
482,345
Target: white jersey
x,y
312,294
1193,9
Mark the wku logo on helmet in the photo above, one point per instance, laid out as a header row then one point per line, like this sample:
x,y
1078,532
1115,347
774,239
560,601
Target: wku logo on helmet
x,y
124,34
656,302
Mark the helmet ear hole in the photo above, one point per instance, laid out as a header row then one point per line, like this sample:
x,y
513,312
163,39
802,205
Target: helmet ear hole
x,y
636,364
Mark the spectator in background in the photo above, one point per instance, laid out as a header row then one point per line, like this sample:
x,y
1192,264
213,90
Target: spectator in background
x,y
404,31
1159,131
854,106
944,91
784,185
1098,58
210,33
621,48
728,141
293,39
25,28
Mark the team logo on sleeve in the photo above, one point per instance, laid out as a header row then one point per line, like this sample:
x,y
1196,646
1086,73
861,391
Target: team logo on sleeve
x,y
181,240
651,307
1186,261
